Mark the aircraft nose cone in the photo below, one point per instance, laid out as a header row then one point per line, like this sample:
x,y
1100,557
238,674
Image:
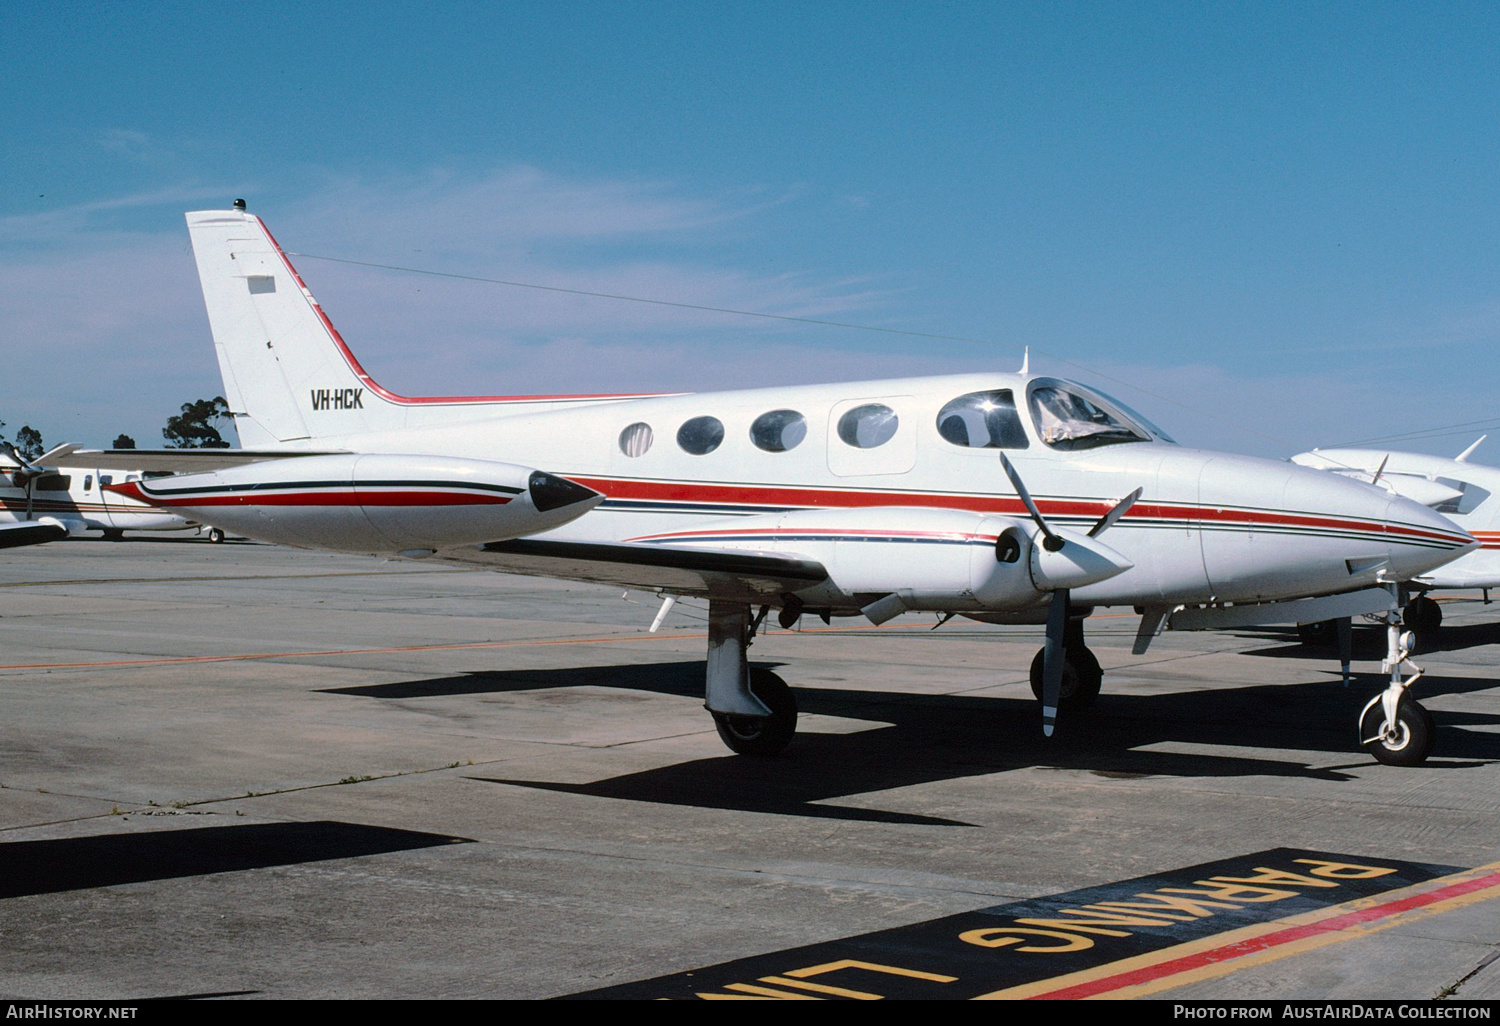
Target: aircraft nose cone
x,y
1275,530
1420,540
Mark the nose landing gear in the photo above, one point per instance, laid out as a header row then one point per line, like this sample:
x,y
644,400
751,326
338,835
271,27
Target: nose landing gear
x,y
1394,727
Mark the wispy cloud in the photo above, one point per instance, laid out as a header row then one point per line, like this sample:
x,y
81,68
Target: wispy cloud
x,y
78,286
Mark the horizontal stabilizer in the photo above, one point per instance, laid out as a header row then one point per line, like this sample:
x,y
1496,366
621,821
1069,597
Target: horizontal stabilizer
x,y
180,461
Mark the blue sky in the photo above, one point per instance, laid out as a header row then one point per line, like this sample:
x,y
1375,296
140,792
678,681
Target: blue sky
x,y
1267,226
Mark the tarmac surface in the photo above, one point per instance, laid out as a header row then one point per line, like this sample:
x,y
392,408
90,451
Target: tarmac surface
x,y
243,770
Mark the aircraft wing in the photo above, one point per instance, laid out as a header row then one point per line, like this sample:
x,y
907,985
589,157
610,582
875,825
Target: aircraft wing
x,y
184,461
681,570
32,532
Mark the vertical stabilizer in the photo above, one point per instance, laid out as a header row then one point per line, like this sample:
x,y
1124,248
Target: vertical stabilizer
x,y
287,374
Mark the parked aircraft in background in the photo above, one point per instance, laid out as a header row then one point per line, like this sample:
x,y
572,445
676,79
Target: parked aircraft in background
x,y
869,498
38,503
1462,491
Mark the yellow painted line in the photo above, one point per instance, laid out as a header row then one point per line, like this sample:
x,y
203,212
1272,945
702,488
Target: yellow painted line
x,y
1230,952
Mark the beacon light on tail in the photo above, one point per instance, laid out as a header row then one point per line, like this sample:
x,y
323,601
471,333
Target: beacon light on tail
x,y
408,505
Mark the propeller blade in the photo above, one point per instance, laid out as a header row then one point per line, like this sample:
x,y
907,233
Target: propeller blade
x,y
1053,656
11,454
1108,520
1052,541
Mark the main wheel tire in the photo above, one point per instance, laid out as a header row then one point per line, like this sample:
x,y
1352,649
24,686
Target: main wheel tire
x,y
1318,634
1422,615
761,735
114,534
1082,679
1414,735
215,535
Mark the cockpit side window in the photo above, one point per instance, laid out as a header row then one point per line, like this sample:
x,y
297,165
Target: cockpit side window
x,y
983,420
1069,418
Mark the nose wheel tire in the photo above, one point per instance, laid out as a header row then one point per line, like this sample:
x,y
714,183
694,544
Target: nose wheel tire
x,y
1082,679
1407,743
761,735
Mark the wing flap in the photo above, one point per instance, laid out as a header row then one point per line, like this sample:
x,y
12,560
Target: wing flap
x,y
715,573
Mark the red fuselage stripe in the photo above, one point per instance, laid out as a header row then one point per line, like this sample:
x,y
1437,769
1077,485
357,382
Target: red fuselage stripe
x,y
687,491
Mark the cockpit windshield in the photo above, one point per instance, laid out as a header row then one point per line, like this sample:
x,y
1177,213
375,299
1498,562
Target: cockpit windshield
x,y
1070,417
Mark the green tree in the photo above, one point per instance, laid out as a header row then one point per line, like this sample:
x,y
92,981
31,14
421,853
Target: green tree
x,y
29,442
123,441
195,427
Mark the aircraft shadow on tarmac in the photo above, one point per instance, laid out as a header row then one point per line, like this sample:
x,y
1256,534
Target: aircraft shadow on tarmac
x,y
924,738
105,860
1368,642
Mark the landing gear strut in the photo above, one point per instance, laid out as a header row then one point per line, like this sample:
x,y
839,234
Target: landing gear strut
x,y
753,710
1393,726
1082,676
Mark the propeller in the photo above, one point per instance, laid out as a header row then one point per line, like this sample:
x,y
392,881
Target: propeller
x,y
29,470
1085,562
25,474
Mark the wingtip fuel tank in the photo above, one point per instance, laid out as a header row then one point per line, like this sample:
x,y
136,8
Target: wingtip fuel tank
x,y
380,504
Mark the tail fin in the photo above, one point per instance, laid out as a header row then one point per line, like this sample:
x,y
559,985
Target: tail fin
x,y
287,373
288,376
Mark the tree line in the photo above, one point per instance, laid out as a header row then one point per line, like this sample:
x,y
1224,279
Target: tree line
x,y
196,427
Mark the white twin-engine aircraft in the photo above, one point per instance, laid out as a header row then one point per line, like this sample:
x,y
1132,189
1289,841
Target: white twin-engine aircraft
x,y
873,498
40,504
1456,488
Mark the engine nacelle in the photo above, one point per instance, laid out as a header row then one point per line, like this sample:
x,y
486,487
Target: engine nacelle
x,y
372,504
939,559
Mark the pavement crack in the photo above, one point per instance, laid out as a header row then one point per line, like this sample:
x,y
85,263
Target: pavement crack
x,y
1452,989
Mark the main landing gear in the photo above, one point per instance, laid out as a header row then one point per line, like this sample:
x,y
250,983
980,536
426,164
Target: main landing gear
x,y
1082,676
1422,615
753,709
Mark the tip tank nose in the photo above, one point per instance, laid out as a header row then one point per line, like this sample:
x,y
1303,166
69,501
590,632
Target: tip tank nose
x,y
549,492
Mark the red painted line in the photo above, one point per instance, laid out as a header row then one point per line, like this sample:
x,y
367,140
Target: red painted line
x,y
346,498
342,497
1269,941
